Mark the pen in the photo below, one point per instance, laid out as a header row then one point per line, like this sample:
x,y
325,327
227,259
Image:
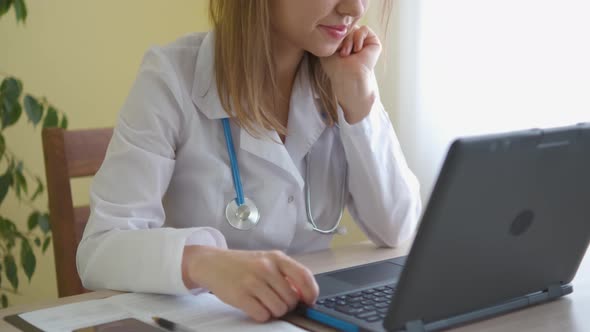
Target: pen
x,y
170,326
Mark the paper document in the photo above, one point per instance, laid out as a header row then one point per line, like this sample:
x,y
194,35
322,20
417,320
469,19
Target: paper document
x,y
204,312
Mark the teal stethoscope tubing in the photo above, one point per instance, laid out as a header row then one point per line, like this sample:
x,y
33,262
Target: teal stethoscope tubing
x,y
235,171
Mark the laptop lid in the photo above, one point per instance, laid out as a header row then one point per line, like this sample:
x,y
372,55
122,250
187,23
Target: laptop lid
x,y
509,216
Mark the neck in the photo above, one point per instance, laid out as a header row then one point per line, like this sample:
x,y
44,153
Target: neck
x,y
286,59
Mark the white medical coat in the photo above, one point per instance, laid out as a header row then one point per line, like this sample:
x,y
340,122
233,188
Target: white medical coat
x,y
166,177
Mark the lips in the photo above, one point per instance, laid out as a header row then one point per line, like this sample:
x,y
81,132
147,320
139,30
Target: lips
x,y
335,31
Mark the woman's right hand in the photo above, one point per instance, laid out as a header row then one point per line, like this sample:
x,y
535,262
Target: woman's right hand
x,y
263,284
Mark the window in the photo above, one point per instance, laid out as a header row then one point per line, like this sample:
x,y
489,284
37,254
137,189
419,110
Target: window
x,y
481,66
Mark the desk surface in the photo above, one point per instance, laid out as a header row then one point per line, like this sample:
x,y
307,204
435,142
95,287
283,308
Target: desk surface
x,y
571,313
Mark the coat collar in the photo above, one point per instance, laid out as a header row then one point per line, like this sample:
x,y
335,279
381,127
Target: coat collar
x,y
204,93
305,121
305,124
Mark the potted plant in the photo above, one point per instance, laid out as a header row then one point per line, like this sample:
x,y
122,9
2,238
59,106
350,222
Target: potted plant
x,y
19,240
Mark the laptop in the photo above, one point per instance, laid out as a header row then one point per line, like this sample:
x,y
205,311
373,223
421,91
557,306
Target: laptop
x,y
506,227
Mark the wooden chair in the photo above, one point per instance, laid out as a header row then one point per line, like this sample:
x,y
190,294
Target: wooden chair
x,y
70,154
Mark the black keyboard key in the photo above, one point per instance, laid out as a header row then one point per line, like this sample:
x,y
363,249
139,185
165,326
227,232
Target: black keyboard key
x,y
340,302
382,299
369,291
381,305
380,288
329,304
382,316
369,307
382,310
373,319
355,305
367,302
366,314
349,310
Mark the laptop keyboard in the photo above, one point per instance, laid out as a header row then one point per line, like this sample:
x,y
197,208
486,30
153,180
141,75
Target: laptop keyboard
x,y
369,305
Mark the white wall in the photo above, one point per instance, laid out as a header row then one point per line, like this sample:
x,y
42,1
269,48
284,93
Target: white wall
x,y
480,66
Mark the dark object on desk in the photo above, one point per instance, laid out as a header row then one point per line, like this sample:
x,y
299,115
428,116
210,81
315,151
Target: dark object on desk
x,y
21,324
123,325
506,227
170,326
70,154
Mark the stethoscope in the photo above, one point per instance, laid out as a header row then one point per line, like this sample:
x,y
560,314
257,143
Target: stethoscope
x,y
241,212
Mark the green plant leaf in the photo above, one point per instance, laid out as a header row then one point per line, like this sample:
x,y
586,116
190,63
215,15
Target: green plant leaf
x,y
4,301
43,222
2,146
21,10
11,270
8,232
23,181
64,122
33,109
5,183
4,227
50,118
46,243
5,6
27,258
38,242
11,112
10,109
33,220
39,190
11,88
20,180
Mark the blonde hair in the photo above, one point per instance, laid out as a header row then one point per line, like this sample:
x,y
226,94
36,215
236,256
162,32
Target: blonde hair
x,y
244,66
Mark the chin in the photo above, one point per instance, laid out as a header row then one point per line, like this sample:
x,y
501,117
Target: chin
x,y
323,51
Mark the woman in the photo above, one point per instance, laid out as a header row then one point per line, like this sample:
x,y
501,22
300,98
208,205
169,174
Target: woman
x,y
295,79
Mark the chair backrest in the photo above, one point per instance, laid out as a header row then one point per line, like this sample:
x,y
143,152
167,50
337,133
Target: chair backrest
x,y
70,154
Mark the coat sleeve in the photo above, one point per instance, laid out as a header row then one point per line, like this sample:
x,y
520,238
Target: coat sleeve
x,y
124,246
384,195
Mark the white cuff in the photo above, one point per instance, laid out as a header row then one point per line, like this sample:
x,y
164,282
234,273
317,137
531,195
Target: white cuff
x,y
375,119
205,236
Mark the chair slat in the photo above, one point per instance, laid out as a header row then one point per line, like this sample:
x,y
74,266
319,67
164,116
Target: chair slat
x,y
81,215
85,150
70,154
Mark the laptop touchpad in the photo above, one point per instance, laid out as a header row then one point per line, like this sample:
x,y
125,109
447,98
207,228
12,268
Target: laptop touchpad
x,y
359,277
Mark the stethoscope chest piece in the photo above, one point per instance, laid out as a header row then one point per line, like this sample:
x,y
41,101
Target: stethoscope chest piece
x,y
243,217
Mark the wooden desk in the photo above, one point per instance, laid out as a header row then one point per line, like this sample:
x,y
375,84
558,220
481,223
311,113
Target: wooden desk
x,y
571,313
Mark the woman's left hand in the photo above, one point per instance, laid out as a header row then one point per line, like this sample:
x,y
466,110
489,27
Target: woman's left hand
x,y
351,71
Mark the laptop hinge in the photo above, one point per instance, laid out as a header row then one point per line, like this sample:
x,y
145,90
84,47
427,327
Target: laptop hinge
x,y
554,291
415,326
